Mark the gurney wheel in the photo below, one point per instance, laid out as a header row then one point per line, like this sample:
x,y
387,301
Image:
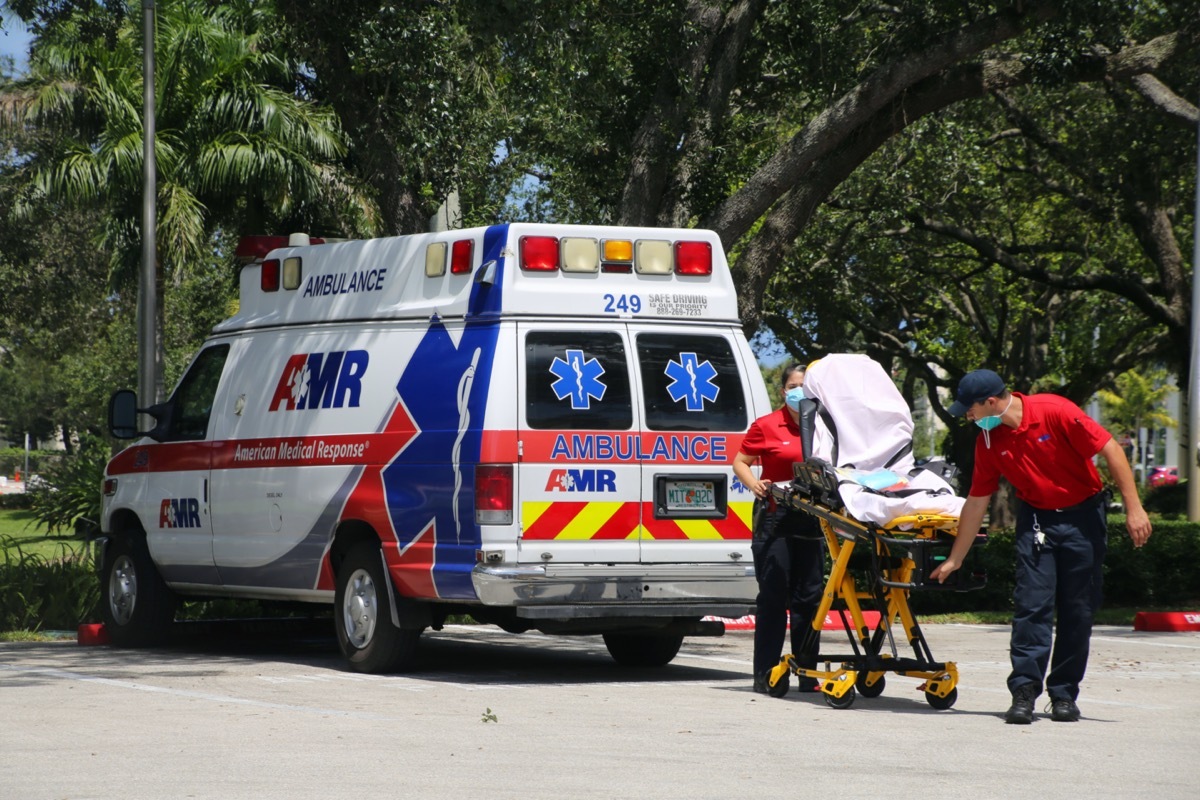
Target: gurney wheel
x,y
874,690
845,701
941,703
781,686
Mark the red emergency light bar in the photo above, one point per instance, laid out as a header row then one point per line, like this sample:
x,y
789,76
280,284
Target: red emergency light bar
x,y
539,253
255,248
652,257
460,256
269,275
693,258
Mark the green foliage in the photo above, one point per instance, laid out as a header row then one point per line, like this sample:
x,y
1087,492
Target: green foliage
x,y
1169,501
38,593
68,495
14,501
13,460
1137,403
1160,574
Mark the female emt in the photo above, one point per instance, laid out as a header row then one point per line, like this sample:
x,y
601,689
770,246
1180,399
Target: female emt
x,y
789,553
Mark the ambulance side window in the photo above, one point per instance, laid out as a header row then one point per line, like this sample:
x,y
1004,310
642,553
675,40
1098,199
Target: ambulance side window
x,y
577,380
193,399
692,383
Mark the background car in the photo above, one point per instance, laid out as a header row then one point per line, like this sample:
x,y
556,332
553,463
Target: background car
x,y
1164,476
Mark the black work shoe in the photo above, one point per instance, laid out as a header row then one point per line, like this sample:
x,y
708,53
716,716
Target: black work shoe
x,y
762,682
1064,710
1021,710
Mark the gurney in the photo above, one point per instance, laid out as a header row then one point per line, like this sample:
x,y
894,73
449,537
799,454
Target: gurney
x,y
884,520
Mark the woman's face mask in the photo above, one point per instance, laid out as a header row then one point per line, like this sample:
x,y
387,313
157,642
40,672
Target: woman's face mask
x,y
793,398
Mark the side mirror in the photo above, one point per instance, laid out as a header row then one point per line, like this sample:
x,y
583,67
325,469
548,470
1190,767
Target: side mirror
x,y
122,414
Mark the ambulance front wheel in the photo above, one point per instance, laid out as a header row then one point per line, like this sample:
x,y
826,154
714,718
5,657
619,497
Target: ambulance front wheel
x,y
363,618
643,650
136,605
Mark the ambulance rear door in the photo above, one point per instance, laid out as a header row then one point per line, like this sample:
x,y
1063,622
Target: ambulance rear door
x,y
579,481
697,402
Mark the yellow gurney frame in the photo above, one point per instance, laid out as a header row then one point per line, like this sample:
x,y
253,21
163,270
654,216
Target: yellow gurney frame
x,y
901,556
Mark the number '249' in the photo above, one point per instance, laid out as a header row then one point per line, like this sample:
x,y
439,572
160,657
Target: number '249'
x,y
622,304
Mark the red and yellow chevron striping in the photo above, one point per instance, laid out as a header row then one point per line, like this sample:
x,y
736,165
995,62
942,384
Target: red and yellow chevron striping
x,y
563,521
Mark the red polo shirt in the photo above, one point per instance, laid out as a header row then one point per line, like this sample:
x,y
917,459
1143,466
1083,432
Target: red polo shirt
x,y
1047,458
774,438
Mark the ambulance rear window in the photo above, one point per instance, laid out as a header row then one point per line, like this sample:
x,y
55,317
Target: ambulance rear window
x,y
692,383
577,380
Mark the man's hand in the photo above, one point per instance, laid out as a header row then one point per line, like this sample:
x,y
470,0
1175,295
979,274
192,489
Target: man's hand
x,y
945,569
1138,524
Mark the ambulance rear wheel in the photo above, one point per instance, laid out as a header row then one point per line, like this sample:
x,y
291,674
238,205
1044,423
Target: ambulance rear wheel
x,y
136,605
363,616
941,703
643,650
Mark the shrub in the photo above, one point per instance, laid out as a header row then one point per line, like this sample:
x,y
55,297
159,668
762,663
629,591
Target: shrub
x,y
46,593
1160,574
68,496
1169,501
16,501
15,459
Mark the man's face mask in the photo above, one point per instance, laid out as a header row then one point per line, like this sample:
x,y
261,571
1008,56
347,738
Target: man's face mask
x,y
992,422
793,398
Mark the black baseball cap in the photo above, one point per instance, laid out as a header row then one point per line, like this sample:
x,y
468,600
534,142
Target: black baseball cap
x,y
975,387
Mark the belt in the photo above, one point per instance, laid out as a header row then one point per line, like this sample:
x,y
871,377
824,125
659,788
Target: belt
x,y
1090,503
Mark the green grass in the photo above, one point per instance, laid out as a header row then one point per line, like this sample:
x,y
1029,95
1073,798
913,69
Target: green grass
x,y
21,527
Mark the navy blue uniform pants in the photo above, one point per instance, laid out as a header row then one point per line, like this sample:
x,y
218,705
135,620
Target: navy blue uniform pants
x,y
789,562
1063,574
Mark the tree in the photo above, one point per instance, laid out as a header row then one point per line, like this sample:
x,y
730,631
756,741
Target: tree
x,y
236,146
1136,404
417,95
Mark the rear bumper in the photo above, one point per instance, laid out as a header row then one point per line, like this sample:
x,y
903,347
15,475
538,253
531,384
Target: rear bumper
x,y
613,591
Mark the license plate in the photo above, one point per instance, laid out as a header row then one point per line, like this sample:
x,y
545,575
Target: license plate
x,y
691,496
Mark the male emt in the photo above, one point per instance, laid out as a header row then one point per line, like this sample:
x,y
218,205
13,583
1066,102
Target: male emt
x,y
1043,445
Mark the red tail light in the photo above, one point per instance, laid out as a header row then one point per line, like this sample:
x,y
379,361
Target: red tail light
x,y
460,257
539,253
693,258
494,494
269,279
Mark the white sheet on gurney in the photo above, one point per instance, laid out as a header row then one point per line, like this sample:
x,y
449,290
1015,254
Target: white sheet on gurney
x,y
873,424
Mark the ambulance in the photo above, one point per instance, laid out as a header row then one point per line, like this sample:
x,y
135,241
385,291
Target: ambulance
x,y
530,425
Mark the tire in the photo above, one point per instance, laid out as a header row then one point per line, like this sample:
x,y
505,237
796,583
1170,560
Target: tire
x,y
942,703
363,617
136,605
845,701
781,686
874,690
643,649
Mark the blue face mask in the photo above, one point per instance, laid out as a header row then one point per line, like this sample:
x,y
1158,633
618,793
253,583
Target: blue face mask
x,y
993,422
793,398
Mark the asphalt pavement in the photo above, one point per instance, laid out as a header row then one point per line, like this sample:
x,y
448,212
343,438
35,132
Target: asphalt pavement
x,y
489,714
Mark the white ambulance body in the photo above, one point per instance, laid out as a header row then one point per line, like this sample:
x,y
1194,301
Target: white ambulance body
x,y
530,424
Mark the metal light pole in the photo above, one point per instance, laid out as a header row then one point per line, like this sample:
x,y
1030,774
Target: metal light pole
x,y
147,308
1191,438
